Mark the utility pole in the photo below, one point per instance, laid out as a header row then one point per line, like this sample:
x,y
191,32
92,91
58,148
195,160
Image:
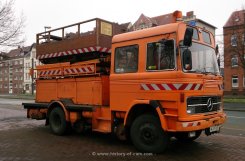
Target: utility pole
x,y
32,78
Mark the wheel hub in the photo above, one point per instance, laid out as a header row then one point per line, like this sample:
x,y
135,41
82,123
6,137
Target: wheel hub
x,y
57,120
148,134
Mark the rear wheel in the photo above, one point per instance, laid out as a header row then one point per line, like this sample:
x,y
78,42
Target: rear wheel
x,y
147,134
184,136
57,121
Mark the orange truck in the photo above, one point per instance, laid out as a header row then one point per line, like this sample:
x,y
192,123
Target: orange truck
x,y
147,85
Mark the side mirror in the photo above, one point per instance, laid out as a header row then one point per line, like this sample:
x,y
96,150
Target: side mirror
x,y
188,36
187,60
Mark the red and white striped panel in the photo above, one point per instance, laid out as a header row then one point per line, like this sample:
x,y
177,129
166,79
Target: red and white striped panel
x,y
45,73
79,70
75,51
190,124
171,87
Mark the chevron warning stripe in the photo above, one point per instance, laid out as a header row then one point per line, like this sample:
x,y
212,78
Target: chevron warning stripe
x,y
75,51
79,70
190,124
45,73
170,86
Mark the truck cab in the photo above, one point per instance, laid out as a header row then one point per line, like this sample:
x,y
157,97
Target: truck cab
x,y
175,79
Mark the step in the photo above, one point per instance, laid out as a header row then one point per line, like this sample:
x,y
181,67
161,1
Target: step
x,y
102,124
102,130
104,118
170,115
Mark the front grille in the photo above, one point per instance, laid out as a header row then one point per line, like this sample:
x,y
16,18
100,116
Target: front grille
x,y
203,104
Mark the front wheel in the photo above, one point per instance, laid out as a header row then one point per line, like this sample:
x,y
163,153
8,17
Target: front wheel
x,y
147,134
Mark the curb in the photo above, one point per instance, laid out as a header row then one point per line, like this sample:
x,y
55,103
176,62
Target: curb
x,y
16,97
238,110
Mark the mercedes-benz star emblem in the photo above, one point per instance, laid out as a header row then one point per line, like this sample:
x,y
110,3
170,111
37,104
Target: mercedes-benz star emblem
x,y
210,104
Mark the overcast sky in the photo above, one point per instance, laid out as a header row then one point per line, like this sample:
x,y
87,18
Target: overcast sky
x,y
58,13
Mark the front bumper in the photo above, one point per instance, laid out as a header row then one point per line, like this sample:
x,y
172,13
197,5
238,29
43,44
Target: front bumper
x,y
200,124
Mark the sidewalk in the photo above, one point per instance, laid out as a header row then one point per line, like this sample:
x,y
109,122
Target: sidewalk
x,y
11,96
234,106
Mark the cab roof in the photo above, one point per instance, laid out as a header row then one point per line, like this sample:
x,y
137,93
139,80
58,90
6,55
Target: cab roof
x,y
153,31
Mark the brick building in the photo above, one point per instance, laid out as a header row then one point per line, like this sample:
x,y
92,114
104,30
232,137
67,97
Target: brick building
x,y
147,22
30,61
234,47
13,69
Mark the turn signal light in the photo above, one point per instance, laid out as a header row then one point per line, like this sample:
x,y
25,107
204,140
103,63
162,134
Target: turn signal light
x,y
178,15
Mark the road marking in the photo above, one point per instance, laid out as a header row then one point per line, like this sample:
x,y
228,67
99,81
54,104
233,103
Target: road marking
x,y
237,117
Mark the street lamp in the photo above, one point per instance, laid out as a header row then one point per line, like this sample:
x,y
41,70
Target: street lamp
x,y
47,28
46,36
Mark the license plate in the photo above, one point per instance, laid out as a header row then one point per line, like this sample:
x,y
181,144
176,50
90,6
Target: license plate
x,y
214,128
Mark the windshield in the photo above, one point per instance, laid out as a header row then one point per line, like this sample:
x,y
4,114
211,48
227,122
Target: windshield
x,y
203,59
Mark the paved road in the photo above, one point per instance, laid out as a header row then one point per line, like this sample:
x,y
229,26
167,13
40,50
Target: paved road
x,y
8,101
14,117
22,139
234,106
235,124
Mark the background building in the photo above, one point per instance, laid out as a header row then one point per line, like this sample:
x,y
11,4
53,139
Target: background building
x,y
14,70
11,71
29,62
191,19
146,22
234,54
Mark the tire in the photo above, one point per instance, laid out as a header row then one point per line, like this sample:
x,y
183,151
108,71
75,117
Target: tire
x,y
147,134
57,121
183,136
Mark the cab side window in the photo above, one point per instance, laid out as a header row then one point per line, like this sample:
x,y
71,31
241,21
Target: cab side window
x,y
195,34
126,59
206,37
160,55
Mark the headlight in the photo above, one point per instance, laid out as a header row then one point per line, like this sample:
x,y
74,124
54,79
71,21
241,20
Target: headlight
x,y
190,110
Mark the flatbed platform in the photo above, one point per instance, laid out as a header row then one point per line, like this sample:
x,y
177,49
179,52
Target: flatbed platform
x,y
91,36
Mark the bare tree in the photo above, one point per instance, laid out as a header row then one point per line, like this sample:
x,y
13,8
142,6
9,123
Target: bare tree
x,y
236,47
11,27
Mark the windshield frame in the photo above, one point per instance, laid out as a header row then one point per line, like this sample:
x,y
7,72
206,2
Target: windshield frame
x,y
182,48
